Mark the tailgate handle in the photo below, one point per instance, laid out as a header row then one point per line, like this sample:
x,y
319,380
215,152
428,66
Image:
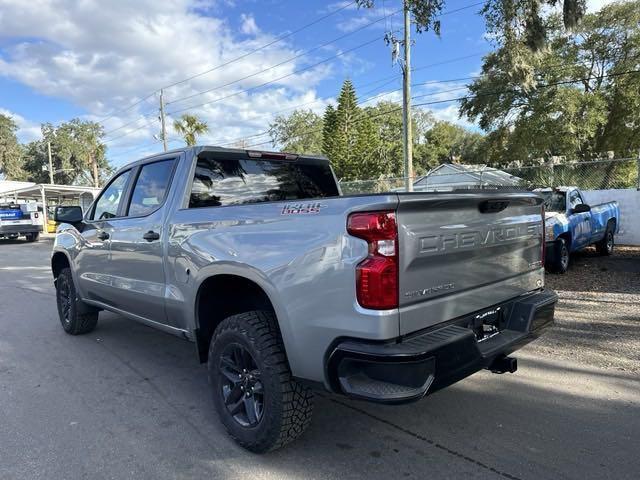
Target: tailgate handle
x,y
493,206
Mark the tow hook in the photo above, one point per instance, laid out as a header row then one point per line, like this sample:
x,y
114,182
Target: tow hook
x,y
504,364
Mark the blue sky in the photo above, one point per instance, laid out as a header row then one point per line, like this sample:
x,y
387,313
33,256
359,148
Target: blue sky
x,y
90,60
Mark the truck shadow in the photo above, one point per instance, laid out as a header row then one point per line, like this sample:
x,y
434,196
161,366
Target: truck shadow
x,y
532,424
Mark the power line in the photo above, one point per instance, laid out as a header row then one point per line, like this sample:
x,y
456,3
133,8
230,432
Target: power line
x,y
233,60
469,97
344,52
367,25
452,60
361,103
288,60
394,78
262,47
150,122
290,74
122,110
456,10
339,54
295,107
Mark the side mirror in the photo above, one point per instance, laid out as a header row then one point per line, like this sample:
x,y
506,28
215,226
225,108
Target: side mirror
x,y
68,215
582,208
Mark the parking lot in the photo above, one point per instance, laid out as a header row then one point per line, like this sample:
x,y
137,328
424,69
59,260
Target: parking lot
x,y
127,401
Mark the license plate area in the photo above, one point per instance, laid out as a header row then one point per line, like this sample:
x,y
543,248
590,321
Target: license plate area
x,y
488,323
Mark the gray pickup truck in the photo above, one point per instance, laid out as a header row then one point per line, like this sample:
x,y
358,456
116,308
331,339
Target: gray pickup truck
x,y
286,286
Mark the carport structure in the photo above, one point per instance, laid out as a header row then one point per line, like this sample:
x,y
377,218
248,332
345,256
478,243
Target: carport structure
x,y
46,194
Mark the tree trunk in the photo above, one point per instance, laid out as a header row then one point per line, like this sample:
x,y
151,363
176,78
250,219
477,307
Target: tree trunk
x,y
96,177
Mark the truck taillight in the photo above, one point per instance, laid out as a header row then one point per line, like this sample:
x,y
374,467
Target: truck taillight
x,y
544,237
377,275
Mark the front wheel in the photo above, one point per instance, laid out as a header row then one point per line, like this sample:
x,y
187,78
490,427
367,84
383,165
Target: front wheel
x,y
260,404
76,317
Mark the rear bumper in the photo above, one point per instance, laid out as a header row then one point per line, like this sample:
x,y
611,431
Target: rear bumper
x,y
408,368
19,229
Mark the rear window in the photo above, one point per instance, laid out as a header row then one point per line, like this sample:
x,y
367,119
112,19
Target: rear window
x,y
219,182
554,201
10,212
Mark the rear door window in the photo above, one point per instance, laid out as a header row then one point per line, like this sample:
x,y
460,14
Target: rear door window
x,y
151,187
219,182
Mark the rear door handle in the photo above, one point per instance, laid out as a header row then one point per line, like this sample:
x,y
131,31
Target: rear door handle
x,y
150,236
102,235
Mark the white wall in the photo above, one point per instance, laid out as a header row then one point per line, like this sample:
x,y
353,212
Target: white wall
x,y
629,202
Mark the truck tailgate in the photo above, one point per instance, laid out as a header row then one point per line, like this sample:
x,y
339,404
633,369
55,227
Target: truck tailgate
x,y
461,253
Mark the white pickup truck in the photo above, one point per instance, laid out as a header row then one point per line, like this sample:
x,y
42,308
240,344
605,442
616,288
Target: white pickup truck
x,y
17,220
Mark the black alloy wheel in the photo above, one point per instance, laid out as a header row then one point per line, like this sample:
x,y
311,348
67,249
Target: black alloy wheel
x,y
241,386
64,299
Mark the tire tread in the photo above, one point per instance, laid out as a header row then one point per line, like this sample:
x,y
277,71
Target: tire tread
x,y
85,317
260,327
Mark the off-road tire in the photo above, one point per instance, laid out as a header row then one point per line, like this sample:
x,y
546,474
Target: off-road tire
x,y
560,261
287,405
32,237
605,246
75,316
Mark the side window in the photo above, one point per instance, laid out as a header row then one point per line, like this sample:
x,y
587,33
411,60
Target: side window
x,y
151,187
108,202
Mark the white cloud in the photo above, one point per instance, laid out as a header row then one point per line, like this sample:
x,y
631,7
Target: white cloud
x,y
248,25
103,57
450,113
27,130
355,18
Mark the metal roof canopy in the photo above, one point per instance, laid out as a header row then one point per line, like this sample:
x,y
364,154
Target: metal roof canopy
x,y
37,189
455,175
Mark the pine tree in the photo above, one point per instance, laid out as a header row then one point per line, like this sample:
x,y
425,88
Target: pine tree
x,y
329,131
351,139
347,116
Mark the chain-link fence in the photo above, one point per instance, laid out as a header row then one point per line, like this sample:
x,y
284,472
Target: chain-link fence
x,y
593,175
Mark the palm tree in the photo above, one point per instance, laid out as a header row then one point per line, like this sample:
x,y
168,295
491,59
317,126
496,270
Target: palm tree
x,y
190,126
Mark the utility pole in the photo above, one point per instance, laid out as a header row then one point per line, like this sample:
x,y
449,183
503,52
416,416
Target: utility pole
x,y
50,163
162,122
406,101
638,160
94,165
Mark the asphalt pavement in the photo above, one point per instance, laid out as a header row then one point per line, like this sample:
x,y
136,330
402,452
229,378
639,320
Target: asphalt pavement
x,y
129,402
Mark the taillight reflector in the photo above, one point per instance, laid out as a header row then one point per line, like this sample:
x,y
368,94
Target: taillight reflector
x,y
377,275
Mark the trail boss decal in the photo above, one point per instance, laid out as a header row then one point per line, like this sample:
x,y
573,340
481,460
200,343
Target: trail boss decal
x,y
302,208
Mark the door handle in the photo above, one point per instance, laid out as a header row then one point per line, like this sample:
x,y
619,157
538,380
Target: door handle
x,y
150,236
102,235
